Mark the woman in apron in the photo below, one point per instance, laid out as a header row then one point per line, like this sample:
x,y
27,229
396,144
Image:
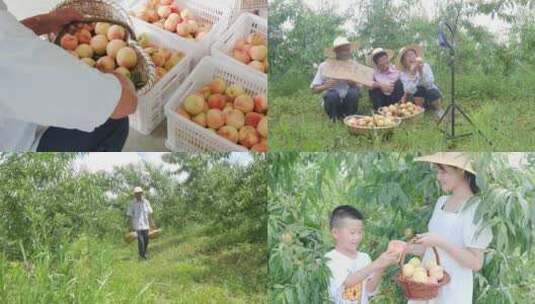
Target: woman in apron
x,y
460,241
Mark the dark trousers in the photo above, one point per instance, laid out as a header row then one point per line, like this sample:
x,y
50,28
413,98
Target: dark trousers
x,y
142,242
338,108
379,99
110,137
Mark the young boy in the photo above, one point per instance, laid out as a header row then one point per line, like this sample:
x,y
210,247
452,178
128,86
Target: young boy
x,y
354,277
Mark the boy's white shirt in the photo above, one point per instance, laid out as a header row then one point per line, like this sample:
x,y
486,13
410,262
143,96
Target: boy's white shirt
x,y
341,266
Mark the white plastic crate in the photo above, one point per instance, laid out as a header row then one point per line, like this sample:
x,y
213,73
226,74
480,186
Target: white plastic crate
x,y
150,111
246,24
255,7
184,135
216,13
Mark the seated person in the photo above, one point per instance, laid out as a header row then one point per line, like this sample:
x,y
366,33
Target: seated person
x,y
387,88
418,80
340,98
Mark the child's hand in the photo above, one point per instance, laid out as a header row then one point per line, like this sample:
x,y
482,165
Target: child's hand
x,y
386,259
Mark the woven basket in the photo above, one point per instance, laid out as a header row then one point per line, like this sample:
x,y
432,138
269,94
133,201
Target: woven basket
x,y
370,131
405,118
130,236
153,234
419,291
109,11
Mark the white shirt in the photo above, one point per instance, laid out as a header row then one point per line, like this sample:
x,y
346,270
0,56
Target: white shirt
x,y
139,211
42,85
458,228
424,79
341,266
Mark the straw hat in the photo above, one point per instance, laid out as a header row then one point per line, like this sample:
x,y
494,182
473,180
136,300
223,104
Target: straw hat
x,y
414,47
138,190
454,159
376,51
338,42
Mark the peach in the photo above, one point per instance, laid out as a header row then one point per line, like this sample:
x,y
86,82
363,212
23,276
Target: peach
x,y
186,14
160,72
240,44
84,51
124,71
216,101
262,127
260,147
158,59
234,118
84,36
258,52
99,44
151,50
397,246
200,119
260,103
257,65
205,91
242,56
182,29
183,113
193,26
143,15
164,11
173,61
172,22
229,132
69,42
244,103
144,40
89,61
256,39
101,28
106,63
215,119
116,32
174,8
127,57
166,2
234,91
252,119
166,53
248,137
194,104
218,86
153,16
114,46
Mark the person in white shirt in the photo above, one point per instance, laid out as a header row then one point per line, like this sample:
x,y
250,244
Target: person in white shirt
x,y
351,268
460,239
140,220
49,100
418,79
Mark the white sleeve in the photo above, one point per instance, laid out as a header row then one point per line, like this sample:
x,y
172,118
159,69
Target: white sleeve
x,y
428,79
149,207
43,84
319,79
474,235
409,85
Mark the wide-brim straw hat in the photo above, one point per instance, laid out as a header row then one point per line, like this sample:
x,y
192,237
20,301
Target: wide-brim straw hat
x,y
138,190
338,42
390,53
418,49
459,160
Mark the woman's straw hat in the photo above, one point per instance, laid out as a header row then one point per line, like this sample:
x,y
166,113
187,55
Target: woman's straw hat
x,y
418,49
454,159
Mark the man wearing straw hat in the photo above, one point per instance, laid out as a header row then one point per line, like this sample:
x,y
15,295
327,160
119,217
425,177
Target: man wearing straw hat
x,y
49,101
387,88
340,98
454,229
140,220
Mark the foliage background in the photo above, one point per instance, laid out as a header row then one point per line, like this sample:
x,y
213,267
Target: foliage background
x,y
394,193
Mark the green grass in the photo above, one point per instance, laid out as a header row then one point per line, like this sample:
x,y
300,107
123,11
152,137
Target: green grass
x,y
184,267
298,123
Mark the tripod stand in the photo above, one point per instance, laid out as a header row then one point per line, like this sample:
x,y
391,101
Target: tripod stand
x,y
454,107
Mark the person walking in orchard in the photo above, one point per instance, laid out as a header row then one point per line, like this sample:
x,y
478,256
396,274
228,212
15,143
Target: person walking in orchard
x,y
140,220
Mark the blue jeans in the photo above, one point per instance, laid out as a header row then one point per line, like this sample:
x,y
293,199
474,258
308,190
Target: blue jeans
x,y
142,242
338,108
110,137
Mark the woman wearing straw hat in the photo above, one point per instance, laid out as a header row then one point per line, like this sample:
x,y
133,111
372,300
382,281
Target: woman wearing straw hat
x,y
387,88
418,79
51,102
340,98
460,239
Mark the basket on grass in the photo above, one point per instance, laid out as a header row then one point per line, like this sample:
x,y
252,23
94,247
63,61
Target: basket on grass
x,y
144,73
416,290
407,111
351,122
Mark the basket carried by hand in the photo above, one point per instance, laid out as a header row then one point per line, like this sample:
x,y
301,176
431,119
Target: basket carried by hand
x,y
144,73
353,128
416,290
154,233
130,236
